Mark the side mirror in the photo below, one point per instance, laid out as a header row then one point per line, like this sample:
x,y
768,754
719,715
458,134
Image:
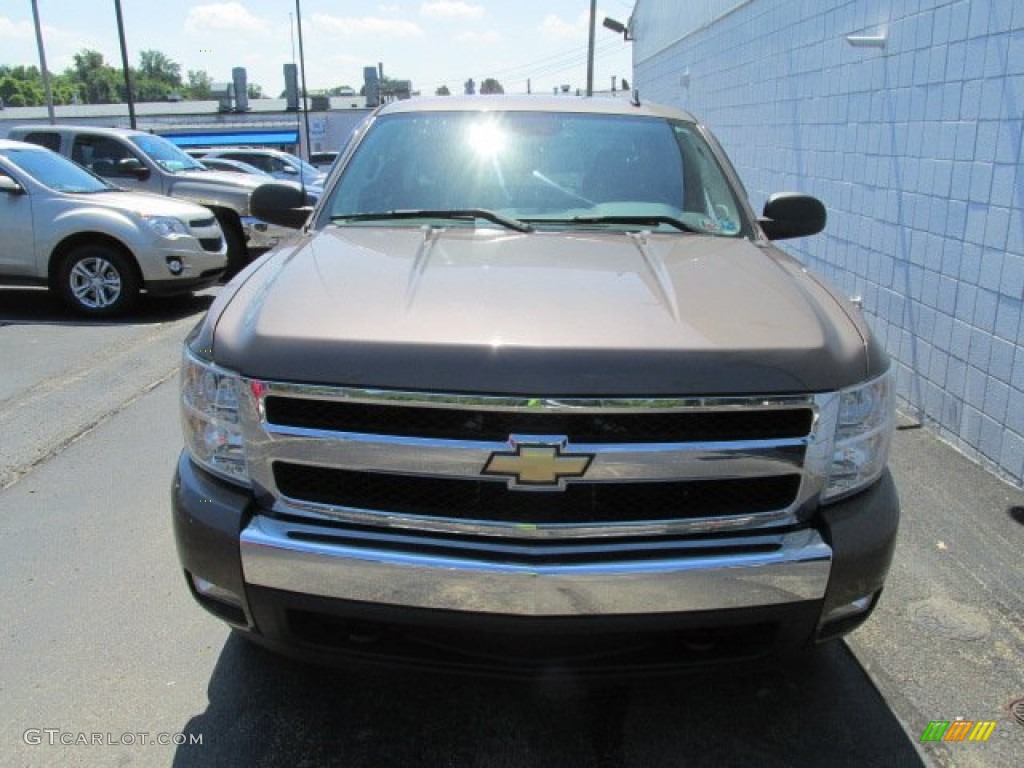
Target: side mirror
x,y
282,204
789,214
289,170
10,186
132,166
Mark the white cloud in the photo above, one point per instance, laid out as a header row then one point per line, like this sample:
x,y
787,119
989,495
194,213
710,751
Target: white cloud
x,y
378,28
16,30
59,43
451,9
232,16
488,37
556,28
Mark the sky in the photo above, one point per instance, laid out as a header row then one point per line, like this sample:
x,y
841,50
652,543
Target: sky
x,y
430,42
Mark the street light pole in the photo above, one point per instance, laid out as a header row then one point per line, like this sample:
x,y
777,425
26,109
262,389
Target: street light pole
x,y
124,63
302,65
42,63
590,49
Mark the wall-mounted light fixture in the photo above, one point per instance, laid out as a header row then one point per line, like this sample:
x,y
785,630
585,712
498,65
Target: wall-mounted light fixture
x,y
617,27
874,40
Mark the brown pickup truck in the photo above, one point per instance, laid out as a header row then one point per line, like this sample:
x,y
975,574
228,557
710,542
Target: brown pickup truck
x,y
534,390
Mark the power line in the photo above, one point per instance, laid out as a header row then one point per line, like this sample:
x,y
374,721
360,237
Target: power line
x,y
553,64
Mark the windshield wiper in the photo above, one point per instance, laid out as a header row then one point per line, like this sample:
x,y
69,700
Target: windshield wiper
x,y
640,220
446,213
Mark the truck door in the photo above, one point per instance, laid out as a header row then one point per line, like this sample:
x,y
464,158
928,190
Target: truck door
x,y
109,158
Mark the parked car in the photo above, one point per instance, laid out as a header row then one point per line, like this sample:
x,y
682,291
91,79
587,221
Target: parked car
x,y
235,166
96,245
280,165
313,191
322,161
536,390
145,162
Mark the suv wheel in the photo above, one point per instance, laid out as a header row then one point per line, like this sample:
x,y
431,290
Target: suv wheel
x,y
97,280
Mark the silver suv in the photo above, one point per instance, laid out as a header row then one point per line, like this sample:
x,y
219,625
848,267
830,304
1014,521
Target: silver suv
x,y
145,162
280,165
95,244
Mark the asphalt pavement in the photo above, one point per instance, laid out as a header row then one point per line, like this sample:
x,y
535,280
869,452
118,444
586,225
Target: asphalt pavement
x,y
102,641
947,638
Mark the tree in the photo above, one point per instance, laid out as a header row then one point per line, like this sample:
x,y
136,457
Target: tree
x,y
154,65
443,91
99,83
490,85
200,85
10,91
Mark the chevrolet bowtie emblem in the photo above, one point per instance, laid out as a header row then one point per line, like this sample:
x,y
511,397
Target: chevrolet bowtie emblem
x,y
534,465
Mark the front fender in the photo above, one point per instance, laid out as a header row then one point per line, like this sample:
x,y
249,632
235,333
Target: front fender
x,y
99,221
212,194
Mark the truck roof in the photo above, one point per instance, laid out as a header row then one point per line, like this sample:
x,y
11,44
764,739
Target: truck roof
x,y
605,106
68,128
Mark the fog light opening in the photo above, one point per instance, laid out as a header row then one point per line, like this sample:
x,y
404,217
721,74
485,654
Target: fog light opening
x,y
211,591
219,601
847,617
852,608
175,265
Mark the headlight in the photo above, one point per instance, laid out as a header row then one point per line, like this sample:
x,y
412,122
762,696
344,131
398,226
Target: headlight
x,y
210,418
866,418
166,226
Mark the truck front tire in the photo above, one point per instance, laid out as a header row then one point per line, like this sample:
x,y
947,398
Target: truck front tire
x,y
238,252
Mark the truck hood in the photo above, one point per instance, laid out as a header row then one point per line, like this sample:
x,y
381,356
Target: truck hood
x,y
216,188
581,314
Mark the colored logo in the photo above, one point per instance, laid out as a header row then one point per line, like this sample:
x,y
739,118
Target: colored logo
x,y
958,730
534,465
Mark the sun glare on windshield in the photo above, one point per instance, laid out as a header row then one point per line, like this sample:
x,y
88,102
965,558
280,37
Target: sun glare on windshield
x,y
486,139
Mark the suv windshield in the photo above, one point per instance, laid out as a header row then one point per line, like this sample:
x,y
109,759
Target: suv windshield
x,y
166,154
547,169
54,171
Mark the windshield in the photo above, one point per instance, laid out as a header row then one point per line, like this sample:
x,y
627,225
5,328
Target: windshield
x,y
548,169
307,169
55,171
166,154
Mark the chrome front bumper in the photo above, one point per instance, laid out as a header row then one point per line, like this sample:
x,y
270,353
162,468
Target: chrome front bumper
x,y
299,558
261,235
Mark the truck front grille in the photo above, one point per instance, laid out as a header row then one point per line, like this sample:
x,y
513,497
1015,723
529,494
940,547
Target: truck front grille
x,y
461,424
643,467
494,501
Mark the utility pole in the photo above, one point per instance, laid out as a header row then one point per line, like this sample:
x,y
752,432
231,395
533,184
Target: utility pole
x,y
302,64
124,63
590,49
42,63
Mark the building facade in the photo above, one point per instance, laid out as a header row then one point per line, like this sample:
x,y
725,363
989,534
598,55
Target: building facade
x,y
905,118
265,122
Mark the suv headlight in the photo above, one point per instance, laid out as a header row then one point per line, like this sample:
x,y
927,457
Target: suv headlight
x,y
211,399
167,226
866,419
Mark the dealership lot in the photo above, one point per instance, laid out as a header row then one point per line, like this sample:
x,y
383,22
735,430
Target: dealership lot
x,y
103,640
